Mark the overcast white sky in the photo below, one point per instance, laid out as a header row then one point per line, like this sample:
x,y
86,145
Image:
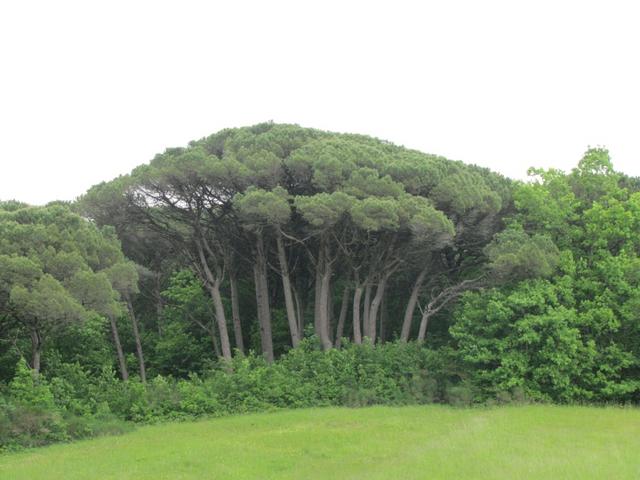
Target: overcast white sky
x,y
89,90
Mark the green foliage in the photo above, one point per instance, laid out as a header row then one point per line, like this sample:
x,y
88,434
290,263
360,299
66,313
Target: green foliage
x,y
186,343
28,413
284,220
574,336
262,208
30,389
52,265
77,404
324,209
515,255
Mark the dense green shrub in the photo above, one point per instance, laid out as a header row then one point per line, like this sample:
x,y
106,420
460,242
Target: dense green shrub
x,y
75,404
35,411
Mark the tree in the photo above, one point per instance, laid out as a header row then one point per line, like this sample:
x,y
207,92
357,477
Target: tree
x,y
52,266
259,210
189,313
123,277
175,197
574,335
297,212
43,306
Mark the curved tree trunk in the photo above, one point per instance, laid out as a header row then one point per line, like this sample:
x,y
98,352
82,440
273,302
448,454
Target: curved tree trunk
x,y
424,322
116,341
443,299
221,320
375,307
288,296
213,286
411,306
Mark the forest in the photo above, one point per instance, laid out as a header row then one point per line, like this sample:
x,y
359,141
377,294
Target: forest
x,y
276,266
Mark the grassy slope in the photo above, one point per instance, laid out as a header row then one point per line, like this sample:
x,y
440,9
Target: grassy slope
x,y
374,443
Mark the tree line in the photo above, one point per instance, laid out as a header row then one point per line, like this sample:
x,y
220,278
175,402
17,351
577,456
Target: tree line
x,y
253,239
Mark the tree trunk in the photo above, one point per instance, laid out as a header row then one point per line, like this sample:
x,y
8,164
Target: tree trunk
x,y
262,300
424,321
235,309
357,332
213,285
221,320
318,293
288,297
36,350
157,294
324,306
214,341
411,306
136,336
366,310
443,299
299,313
375,307
324,267
116,341
344,307
331,320
383,320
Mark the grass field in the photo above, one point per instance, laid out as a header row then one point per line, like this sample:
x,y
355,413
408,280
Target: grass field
x,y
433,442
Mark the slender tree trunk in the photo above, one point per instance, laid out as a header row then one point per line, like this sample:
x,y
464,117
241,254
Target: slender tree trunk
x,y
299,313
318,293
357,297
324,306
36,350
262,300
383,319
235,309
136,336
375,307
116,341
440,301
288,296
213,285
221,321
214,341
331,320
344,307
411,305
424,321
367,309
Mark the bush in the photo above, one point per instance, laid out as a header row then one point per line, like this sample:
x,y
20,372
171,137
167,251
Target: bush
x,y
75,404
35,412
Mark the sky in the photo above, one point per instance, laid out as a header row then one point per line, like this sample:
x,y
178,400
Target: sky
x,y
90,90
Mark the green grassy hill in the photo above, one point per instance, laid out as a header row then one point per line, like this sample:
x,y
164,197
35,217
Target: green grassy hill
x,y
433,442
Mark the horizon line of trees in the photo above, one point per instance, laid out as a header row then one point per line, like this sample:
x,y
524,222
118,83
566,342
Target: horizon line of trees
x,y
255,238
